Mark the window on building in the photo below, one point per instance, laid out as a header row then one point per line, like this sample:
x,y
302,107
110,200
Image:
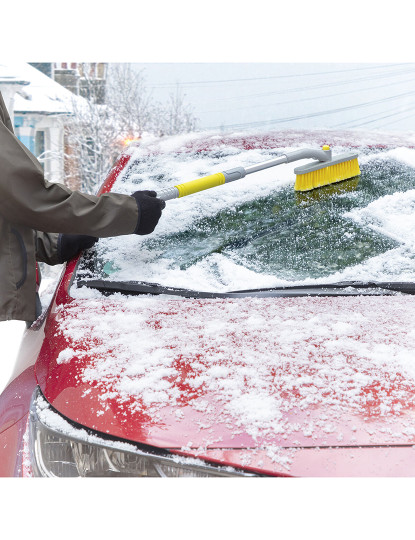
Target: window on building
x,y
101,71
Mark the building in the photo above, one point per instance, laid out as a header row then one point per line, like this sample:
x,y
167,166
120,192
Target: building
x,y
81,78
9,85
39,107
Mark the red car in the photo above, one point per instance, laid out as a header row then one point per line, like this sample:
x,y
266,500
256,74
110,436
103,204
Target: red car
x,y
257,331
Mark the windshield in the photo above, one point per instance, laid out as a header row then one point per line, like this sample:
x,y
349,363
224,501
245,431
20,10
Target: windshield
x,y
258,232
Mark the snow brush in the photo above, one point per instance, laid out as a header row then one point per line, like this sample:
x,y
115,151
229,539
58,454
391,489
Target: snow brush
x,y
326,170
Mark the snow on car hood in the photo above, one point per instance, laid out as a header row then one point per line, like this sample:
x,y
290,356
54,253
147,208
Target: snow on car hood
x,y
236,373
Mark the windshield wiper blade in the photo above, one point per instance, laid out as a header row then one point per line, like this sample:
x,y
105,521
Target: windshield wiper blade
x,y
140,287
393,286
343,288
405,287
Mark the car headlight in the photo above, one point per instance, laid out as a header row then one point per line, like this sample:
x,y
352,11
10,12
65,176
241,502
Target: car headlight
x,y
59,449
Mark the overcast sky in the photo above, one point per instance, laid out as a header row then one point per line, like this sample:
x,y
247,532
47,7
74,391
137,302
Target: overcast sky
x,y
290,95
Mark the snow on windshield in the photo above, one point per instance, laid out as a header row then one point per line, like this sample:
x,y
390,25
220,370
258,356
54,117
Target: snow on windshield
x,y
257,232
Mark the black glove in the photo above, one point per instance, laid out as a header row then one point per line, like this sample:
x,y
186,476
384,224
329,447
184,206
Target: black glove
x,y
149,211
70,245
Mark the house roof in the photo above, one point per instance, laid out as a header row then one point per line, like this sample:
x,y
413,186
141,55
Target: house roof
x,y
40,93
7,76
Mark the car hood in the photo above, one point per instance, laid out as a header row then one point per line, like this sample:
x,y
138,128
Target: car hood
x,y
185,374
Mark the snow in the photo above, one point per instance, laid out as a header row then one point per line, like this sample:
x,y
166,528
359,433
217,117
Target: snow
x,y
147,265
176,161
65,356
42,94
261,359
405,155
392,215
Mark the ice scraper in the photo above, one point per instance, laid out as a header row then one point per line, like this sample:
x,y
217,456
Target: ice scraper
x,y
327,169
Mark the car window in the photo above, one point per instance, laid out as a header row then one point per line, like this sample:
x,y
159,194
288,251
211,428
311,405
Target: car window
x,y
259,232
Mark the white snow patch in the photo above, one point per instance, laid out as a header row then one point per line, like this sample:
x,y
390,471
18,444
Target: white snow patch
x,y
65,356
261,359
391,215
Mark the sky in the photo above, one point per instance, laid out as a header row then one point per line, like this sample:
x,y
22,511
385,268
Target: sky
x,y
299,95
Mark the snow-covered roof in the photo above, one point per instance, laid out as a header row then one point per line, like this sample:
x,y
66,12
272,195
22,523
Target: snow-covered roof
x,y
41,94
8,76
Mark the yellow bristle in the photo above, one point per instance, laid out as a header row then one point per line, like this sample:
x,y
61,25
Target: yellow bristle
x,y
327,175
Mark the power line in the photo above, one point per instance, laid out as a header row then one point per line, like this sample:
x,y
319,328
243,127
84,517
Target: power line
x,y
348,123
314,87
311,98
313,115
384,117
221,81
394,121
373,115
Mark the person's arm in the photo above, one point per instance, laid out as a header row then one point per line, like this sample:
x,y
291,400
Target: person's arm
x,y
26,198
46,245
53,248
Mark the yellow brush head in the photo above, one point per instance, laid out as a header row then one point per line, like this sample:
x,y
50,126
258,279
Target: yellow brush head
x,y
327,174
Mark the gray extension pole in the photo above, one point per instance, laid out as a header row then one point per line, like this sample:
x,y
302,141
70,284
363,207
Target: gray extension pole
x,y
237,173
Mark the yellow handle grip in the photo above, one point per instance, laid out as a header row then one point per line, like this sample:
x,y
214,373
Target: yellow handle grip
x,y
200,184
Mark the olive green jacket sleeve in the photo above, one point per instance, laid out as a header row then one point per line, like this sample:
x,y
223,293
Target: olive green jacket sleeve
x,y
27,199
46,247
